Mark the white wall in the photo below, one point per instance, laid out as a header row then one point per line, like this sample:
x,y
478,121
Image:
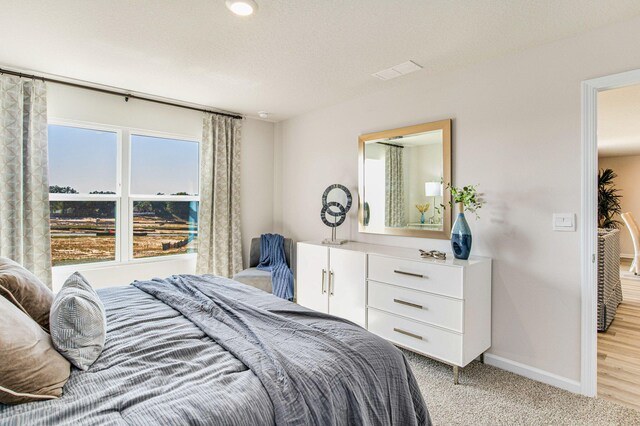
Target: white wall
x,y
628,170
256,170
516,132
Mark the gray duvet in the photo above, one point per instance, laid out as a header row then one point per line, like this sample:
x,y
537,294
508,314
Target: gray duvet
x,y
208,350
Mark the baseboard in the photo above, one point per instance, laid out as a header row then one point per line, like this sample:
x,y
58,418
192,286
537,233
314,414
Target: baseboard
x,y
533,373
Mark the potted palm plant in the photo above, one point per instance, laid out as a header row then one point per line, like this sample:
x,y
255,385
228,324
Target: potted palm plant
x,y
608,200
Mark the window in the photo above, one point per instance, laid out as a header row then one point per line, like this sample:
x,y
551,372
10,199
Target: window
x,y
83,231
118,195
83,186
164,227
164,184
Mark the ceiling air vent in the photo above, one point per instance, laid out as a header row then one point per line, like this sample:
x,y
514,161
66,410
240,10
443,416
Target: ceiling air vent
x,y
397,71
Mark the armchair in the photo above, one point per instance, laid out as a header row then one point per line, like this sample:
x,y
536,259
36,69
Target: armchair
x,y
255,277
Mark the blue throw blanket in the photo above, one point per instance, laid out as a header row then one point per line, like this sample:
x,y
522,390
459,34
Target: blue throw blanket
x,y
272,258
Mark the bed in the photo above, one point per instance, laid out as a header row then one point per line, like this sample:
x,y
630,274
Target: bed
x,y
208,350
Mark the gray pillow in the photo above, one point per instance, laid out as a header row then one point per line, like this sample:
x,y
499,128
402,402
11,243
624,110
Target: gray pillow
x,y
78,322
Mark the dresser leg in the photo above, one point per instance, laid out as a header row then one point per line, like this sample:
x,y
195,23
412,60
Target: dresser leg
x,y
456,374
482,358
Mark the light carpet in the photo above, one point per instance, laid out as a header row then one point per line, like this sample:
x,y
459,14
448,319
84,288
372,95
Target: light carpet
x,y
490,396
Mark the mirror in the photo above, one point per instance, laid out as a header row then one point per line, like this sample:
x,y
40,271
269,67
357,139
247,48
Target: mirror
x,y
401,181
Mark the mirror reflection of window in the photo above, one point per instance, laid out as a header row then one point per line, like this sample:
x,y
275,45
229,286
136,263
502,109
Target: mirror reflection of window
x,y
375,185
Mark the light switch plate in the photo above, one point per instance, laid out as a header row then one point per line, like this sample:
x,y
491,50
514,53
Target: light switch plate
x,y
565,222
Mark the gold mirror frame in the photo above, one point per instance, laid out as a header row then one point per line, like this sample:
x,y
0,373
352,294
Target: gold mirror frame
x,y
445,126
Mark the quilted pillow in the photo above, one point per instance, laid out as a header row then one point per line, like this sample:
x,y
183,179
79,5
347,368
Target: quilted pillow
x,y
30,367
26,291
78,322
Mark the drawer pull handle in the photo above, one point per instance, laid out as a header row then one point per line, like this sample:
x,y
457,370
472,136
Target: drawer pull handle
x,y
406,333
404,302
409,273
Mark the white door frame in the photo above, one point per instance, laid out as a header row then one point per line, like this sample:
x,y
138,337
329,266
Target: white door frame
x,y
590,89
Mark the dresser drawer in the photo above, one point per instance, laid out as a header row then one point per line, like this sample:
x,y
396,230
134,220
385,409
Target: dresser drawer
x,y
426,276
438,310
432,341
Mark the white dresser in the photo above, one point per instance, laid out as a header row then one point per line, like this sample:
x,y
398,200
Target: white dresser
x,y
438,308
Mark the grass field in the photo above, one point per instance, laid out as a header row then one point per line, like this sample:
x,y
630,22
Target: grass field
x,y
87,240
161,231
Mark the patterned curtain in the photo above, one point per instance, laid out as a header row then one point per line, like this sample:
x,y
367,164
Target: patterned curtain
x,y
24,181
219,239
394,179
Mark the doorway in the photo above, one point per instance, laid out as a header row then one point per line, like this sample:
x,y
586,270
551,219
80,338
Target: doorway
x,y
592,94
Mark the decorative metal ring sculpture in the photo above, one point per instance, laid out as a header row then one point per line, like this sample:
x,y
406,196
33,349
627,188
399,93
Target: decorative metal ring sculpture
x,y
340,215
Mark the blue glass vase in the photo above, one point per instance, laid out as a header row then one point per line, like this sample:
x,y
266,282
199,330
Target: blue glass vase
x,y
422,219
461,236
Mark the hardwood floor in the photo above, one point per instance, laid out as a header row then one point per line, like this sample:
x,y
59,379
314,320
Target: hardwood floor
x,y
619,349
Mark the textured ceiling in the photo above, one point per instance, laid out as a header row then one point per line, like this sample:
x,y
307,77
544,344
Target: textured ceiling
x,y
290,57
619,122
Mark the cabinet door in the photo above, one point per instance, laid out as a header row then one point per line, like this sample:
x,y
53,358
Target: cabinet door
x,y
312,269
347,285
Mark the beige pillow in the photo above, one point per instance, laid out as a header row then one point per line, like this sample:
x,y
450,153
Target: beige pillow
x,y
30,367
26,291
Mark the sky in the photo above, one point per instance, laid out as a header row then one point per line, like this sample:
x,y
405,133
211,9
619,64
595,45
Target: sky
x,y
86,160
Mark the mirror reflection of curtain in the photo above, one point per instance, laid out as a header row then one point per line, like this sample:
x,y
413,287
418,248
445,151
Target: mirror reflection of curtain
x,y
394,180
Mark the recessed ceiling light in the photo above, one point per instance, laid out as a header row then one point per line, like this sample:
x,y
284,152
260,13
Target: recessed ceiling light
x,y
263,114
242,7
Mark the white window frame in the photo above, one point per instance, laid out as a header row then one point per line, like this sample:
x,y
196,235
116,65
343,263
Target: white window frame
x,y
128,245
123,197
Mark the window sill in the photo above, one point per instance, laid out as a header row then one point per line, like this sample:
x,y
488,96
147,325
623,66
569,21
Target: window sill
x,y
110,274
111,264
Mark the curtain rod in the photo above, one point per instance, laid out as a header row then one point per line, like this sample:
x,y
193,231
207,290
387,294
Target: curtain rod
x,y
126,95
390,144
